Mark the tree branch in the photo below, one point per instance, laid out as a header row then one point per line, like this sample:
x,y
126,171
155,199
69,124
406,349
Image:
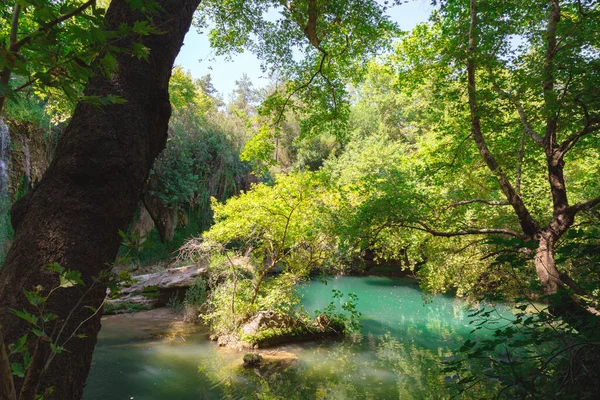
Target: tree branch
x,y
303,86
519,107
7,387
519,168
528,224
588,205
550,98
526,125
14,29
483,231
592,125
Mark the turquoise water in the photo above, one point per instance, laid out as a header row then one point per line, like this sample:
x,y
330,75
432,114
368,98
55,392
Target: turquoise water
x,y
397,354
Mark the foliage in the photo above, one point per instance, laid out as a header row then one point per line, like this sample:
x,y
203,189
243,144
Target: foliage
x,y
197,293
252,359
40,319
335,41
175,303
52,47
530,354
201,159
348,318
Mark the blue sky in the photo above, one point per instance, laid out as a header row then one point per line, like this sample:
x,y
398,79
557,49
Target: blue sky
x,y
196,54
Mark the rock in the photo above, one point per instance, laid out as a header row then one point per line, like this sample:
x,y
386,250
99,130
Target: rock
x,y
252,359
142,225
165,218
322,322
154,290
269,362
268,319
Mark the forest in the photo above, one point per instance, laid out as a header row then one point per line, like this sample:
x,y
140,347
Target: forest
x,y
397,213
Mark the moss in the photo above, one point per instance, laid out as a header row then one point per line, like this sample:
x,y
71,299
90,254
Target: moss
x,y
274,336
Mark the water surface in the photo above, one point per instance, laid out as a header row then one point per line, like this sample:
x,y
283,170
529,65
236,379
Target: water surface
x,y
395,356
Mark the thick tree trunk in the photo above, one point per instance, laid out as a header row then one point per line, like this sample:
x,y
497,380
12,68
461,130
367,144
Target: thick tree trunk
x,y
90,192
545,264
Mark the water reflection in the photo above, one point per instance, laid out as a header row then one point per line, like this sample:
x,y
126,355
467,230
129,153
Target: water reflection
x,y
395,356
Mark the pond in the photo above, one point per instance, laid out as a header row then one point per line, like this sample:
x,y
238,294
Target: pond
x,y
397,354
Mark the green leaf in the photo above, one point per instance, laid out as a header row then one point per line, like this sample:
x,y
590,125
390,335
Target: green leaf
x,y
48,317
38,333
18,370
25,315
70,278
57,349
54,268
20,346
34,298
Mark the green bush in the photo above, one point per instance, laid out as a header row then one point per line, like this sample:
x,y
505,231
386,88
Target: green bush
x,y
197,293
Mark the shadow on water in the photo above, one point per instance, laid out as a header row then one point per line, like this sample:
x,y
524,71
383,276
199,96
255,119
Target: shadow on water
x,y
396,355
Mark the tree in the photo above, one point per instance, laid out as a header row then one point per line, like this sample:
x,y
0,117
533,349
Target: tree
x,y
532,115
335,40
559,90
92,188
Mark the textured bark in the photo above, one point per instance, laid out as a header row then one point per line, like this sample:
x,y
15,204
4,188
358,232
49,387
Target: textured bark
x,y
90,192
545,264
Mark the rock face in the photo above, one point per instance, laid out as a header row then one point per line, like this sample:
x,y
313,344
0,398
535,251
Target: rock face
x,y
154,290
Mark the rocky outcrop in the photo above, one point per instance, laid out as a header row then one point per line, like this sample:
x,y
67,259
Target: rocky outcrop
x,y
154,290
164,217
142,225
268,328
268,319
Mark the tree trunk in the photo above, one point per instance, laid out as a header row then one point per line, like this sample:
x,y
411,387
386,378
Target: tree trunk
x,y
90,192
545,265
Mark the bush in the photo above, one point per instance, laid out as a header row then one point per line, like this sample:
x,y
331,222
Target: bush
x,y
197,293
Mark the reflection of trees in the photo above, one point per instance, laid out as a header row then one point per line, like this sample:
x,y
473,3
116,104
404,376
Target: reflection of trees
x,y
368,367
419,371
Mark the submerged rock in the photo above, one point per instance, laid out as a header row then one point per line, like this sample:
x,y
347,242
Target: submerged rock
x,y
154,290
252,359
269,361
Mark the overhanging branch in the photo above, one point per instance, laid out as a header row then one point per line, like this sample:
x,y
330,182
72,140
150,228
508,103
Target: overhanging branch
x,y
44,28
588,205
592,125
421,226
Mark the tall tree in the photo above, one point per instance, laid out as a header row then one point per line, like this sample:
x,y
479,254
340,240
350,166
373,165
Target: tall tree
x,y
529,99
558,91
91,190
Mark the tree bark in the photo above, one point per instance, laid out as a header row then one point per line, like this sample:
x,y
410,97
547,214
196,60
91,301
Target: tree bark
x,y
545,264
90,192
